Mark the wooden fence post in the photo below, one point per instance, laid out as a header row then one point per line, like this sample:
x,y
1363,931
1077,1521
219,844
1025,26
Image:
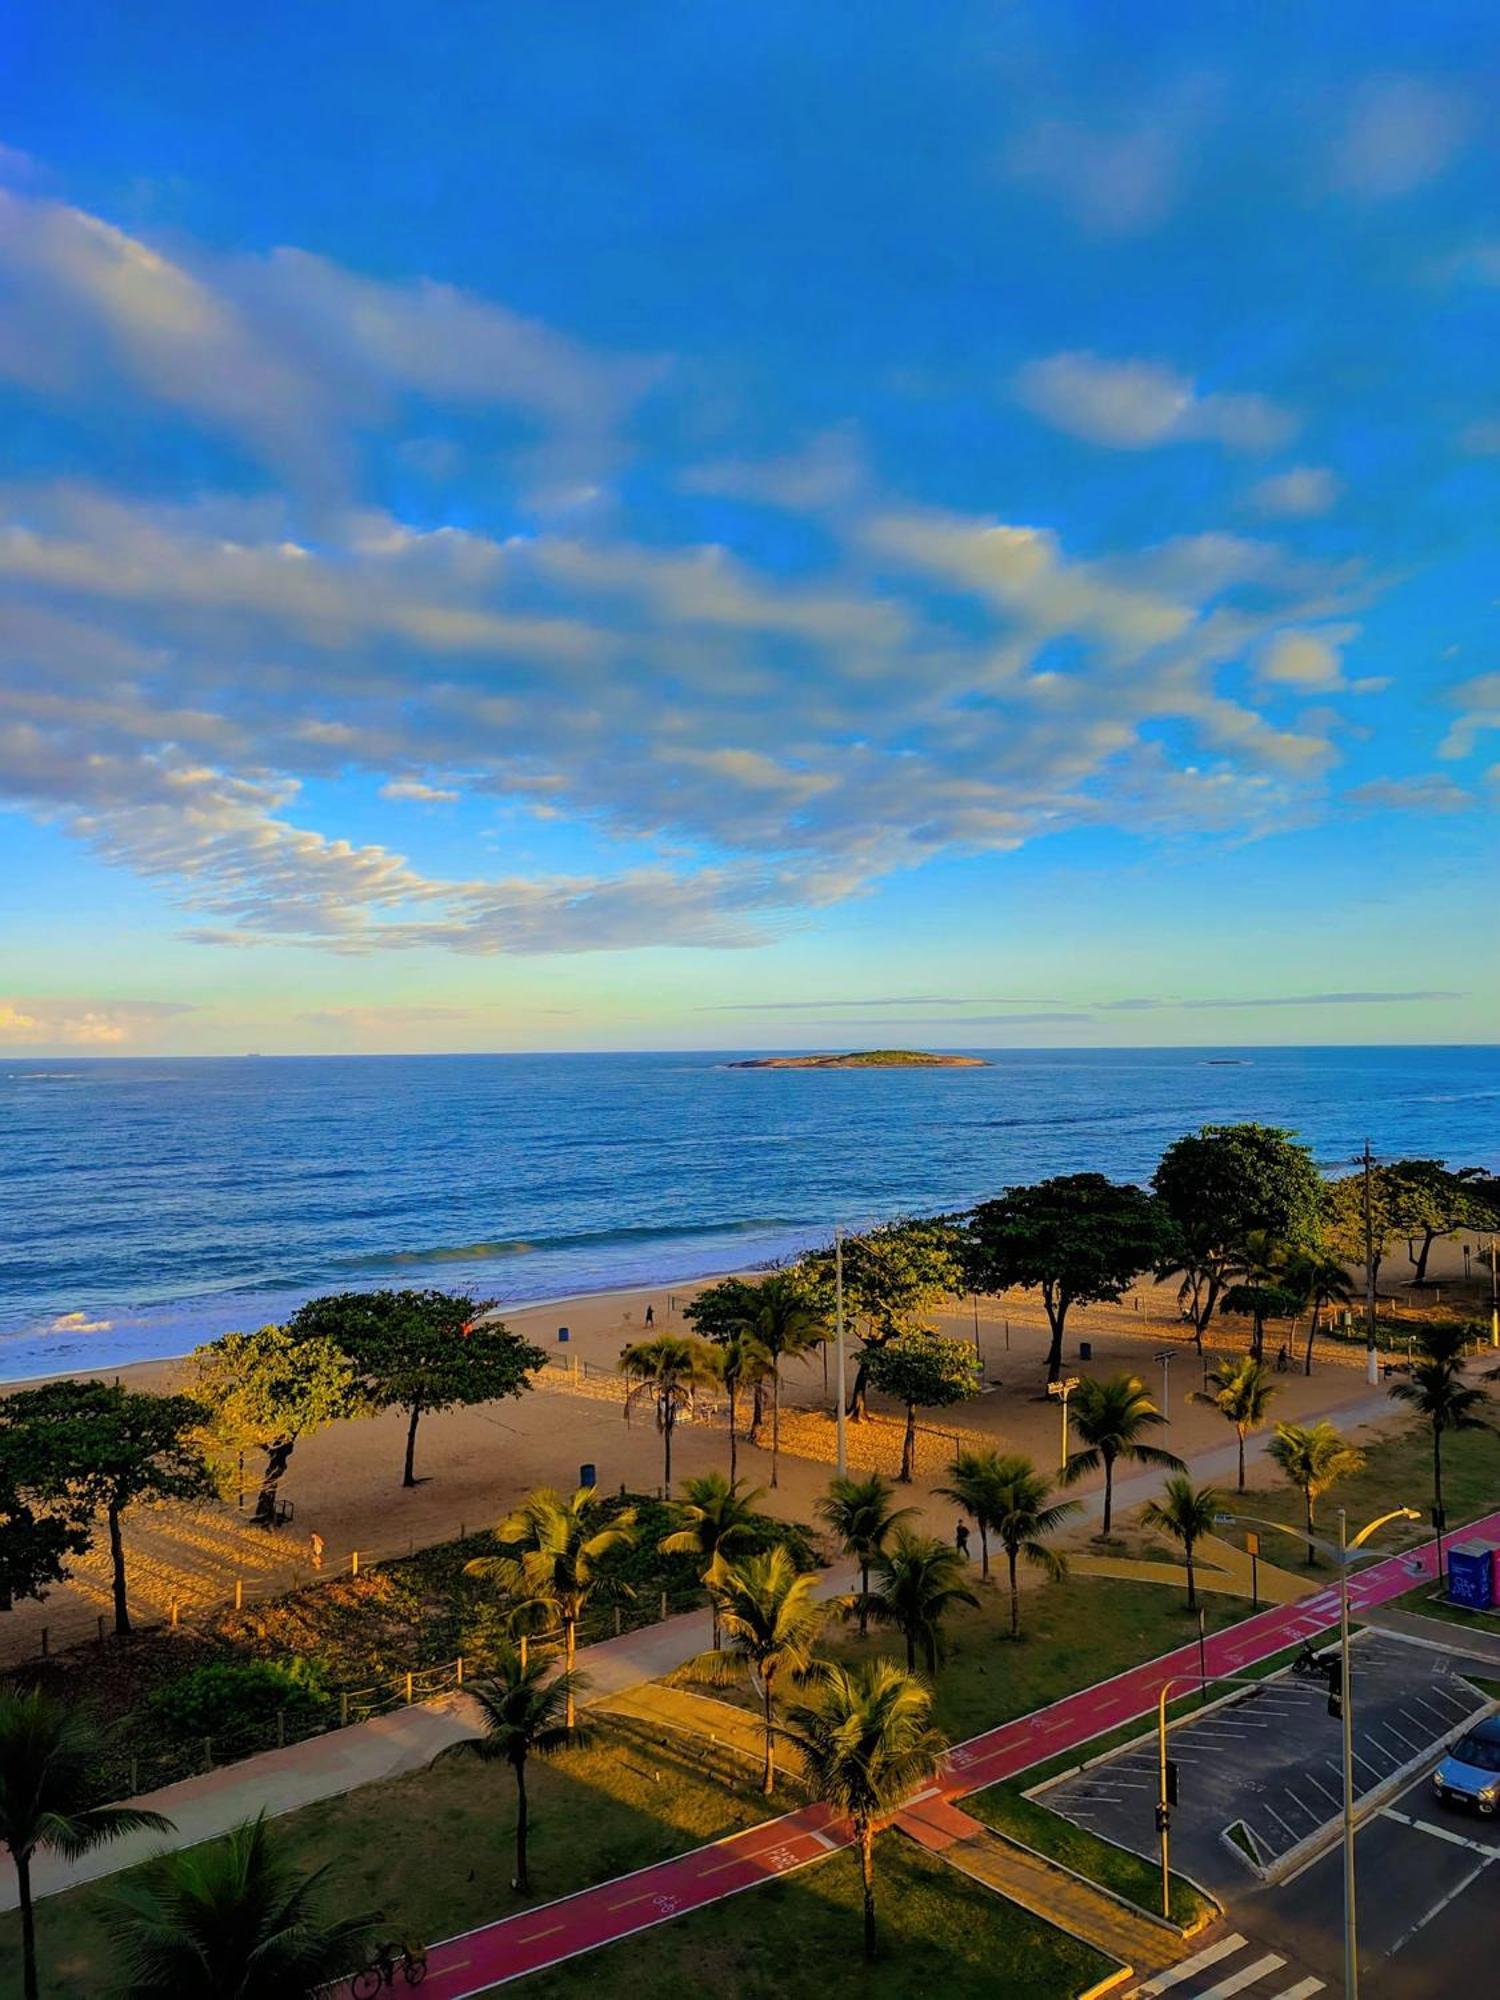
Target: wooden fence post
x,y
239,1593
174,1614
523,1652
354,1563
343,1711
664,1606
460,1681
409,1696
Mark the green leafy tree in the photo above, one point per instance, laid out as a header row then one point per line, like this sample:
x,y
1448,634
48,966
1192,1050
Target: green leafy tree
x,y
724,1313
667,1372
1185,1512
770,1621
1444,1402
40,1530
1023,1521
265,1390
1112,1418
420,1351
973,1485
866,1742
1315,1281
1342,1218
106,1449
1259,1292
1080,1238
894,1277
552,1548
1222,1184
525,1711
1433,1201
1241,1392
918,1580
49,1754
922,1370
1313,1458
860,1512
717,1522
236,1918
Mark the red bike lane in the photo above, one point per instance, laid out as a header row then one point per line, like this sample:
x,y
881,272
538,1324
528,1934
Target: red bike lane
x,y
464,1967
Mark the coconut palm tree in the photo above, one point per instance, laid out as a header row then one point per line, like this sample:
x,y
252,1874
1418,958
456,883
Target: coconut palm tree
x,y
552,1550
1260,1290
717,1522
866,1741
1241,1392
743,1363
973,1486
918,1581
860,1513
1112,1417
235,1918
49,1753
1313,1458
668,1372
1444,1401
784,1319
1185,1512
770,1623
525,1711
1315,1280
1022,1521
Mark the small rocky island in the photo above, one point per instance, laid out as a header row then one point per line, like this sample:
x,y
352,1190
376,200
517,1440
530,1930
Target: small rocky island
x,y
867,1059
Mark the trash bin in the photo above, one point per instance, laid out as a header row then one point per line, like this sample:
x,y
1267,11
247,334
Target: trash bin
x,y
588,1475
1470,1575
562,1333
1085,1350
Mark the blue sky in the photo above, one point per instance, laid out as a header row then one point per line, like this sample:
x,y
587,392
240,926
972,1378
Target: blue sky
x,y
661,526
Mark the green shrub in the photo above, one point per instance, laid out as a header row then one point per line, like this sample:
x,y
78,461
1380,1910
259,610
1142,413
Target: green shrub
x,y
229,1699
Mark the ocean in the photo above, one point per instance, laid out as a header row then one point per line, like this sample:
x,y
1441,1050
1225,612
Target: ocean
x,y
148,1205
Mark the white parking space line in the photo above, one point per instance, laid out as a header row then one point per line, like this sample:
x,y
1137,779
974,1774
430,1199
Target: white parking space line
x,y
1199,1962
1291,1836
1400,1735
1238,1981
1331,1797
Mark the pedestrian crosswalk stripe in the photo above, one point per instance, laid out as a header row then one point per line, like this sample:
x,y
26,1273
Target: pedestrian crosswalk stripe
x,y
1199,1962
1247,1976
1303,1990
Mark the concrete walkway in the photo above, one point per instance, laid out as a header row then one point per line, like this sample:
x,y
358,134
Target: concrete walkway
x,y
1471,1641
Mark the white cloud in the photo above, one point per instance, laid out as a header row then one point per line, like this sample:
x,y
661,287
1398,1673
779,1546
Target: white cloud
x,y
1298,494
79,1023
828,472
1400,133
1479,701
1429,793
1308,661
1136,405
415,790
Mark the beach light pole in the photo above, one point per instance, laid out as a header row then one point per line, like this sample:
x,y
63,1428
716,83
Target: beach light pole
x,y
840,1420
1343,1554
1062,1390
1165,1360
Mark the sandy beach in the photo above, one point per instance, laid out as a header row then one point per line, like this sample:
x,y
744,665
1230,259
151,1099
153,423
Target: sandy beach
x,y
344,1483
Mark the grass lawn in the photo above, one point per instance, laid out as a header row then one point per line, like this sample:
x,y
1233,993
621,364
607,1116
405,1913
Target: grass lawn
x,y
434,1849
1129,1875
798,1938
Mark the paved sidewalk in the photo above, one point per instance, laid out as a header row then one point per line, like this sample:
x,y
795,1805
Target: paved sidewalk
x,y
1473,1642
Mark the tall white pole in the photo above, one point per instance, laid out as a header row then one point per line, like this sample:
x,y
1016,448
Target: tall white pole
x,y
1372,1366
838,1310
1351,1939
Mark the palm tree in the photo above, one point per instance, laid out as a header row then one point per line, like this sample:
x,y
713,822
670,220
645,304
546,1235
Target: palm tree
x,y
1260,1290
1439,1395
1241,1393
770,1622
49,1754
973,1477
234,1918
1185,1512
668,1372
1111,1417
920,1580
866,1741
1315,1280
1022,1521
526,1711
743,1363
860,1513
784,1320
717,1523
551,1562
1314,1458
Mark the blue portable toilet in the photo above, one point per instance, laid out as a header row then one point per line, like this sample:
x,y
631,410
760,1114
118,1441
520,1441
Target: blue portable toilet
x,y
1471,1569
562,1333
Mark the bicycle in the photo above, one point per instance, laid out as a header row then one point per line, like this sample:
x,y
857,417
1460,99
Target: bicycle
x,y
381,1972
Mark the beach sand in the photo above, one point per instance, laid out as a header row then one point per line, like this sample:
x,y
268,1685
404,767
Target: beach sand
x,y
344,1483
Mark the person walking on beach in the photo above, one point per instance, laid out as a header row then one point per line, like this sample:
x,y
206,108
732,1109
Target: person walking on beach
x,y
651,1315
961,1539
315,1549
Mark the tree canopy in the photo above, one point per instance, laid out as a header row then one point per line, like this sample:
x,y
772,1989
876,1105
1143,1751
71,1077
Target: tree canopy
x,y
264,1390
923,1370
893,1277
420,1350
1080,1237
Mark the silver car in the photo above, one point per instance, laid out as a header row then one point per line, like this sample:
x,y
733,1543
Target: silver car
x,y
1470,1773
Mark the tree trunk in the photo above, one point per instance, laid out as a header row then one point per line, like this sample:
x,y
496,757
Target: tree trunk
x,y
570,1639
864,1599
776,1423
858,1407
1015,1596
522,1883
1057,1318
1239,1433
867,1881
1429,1237
757,1411
1312,1554
909,1445
1258,1335
278,1457
669,1418
117,1565
1109,1493
1312,1334
1187,1552
409,1476
28,1927
984,1553
733,1442
768,1775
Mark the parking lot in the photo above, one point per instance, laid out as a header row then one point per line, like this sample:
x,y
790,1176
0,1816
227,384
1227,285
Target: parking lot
x,y
1272,1763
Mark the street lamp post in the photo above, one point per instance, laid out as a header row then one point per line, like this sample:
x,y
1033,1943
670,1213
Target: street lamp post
x,y
1062,1390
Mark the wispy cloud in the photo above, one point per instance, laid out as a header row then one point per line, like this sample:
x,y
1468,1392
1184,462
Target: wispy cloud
x,y
72,1022
1137,405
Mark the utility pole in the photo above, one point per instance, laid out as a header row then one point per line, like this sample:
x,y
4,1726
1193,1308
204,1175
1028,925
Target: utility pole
x,y
838,1320
1372,1367
1494,1299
